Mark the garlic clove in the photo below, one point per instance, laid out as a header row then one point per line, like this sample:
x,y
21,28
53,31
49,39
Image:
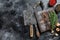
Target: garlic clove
x,y
58,24
57,29
56,34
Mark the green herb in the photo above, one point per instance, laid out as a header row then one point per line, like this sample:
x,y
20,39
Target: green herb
x,y
53,19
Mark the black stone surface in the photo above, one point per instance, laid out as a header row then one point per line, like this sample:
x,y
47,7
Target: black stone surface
x,y
11,21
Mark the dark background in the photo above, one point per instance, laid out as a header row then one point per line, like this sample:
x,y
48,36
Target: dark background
x,y
12,23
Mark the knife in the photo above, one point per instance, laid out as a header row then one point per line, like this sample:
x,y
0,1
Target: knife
x,y
36,26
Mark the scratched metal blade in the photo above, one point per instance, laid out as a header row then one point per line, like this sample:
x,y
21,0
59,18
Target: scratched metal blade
x,y
29,17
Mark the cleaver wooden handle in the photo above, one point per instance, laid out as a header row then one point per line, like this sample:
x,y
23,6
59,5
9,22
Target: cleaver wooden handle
x,y
31,31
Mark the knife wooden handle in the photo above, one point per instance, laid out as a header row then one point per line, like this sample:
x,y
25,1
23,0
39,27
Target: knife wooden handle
x,y
38,34
37,31
31,30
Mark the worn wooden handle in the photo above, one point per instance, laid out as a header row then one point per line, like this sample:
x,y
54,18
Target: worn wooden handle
x,y
37,31
31,30
38,34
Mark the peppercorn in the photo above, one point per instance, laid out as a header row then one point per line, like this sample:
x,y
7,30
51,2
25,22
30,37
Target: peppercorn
x,y
57,8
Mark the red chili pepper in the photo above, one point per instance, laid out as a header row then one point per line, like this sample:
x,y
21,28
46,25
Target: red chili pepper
x,y
52,2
